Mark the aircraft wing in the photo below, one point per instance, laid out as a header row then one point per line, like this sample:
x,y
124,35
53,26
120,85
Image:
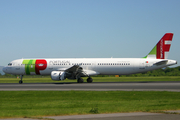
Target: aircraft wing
x,y
72,69
77,70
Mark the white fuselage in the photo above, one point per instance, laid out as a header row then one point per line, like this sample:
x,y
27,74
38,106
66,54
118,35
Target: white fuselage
x,y
102,66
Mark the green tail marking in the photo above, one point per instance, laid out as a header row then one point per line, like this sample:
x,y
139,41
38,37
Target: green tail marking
x,y
153,52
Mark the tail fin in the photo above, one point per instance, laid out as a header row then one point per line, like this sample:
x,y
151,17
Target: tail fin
x,y
161,50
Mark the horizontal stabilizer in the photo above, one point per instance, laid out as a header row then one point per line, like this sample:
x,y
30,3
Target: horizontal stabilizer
x,y
161,62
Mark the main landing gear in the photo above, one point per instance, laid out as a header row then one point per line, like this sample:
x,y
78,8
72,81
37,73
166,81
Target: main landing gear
x,y
89,80
80,80
20,82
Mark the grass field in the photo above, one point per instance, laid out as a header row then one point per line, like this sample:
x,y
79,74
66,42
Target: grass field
x,y
95,79
46,103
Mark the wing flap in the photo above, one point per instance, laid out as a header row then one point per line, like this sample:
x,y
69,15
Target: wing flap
x,y
91,72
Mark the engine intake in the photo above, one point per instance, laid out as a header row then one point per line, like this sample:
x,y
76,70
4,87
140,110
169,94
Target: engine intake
x,y
58,75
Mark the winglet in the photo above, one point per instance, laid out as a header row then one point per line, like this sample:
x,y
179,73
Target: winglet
x,y
161,50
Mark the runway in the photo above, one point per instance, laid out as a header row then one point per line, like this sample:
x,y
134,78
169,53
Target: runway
x,y
112,116
103,86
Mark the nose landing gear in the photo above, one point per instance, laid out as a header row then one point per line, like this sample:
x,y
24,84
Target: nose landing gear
x,y
20,82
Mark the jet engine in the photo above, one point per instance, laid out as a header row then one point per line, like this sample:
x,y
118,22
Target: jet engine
x,y
58,75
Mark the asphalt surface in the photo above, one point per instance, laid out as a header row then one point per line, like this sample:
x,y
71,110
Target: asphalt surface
x,y
113,116
112,86
120,116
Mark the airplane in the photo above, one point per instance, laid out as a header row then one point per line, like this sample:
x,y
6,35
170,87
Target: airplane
x,y
75,68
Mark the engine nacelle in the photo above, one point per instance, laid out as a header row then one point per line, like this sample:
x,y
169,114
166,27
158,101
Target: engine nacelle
x,y
58,75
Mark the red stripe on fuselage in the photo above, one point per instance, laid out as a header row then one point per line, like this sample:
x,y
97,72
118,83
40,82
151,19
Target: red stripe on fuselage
x,y
41,64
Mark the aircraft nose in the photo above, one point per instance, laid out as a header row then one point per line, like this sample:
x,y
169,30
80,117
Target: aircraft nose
x,y
4,69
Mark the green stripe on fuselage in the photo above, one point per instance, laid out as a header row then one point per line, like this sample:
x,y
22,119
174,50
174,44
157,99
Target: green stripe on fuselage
x,y
29,66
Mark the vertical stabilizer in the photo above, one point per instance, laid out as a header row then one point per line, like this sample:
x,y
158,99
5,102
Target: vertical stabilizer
x,y
161,50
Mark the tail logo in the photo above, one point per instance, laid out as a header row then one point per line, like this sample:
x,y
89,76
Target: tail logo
x,y
161,50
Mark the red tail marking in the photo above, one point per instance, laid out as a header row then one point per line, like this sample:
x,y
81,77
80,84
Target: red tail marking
x,y
162,47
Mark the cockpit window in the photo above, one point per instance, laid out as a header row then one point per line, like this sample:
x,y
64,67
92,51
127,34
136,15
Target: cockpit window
x,y
9,64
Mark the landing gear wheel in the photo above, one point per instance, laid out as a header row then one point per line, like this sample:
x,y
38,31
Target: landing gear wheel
x,y
89,80
80,80
20,82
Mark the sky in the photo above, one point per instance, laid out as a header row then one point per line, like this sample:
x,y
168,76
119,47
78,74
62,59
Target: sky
x,y
86,28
